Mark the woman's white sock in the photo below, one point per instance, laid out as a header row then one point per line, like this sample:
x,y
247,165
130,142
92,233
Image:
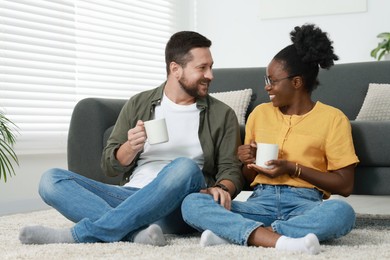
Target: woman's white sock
x,y
208,238
308,244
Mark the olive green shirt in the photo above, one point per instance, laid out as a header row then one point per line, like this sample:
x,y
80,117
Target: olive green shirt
x,y
219,135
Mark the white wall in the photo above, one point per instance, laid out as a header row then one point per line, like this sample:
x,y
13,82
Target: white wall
x,y
241,39
19,193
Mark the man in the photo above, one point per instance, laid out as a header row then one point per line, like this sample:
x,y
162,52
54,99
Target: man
x,y
199,156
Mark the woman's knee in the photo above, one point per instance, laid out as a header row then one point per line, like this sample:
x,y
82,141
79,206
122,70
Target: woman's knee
x,y
343,218
342,209
191,199
193,204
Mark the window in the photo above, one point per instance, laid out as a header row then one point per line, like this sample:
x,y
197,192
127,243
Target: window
x,y
54,53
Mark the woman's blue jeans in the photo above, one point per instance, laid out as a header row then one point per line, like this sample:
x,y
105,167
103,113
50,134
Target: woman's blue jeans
x,y
293,212
108,213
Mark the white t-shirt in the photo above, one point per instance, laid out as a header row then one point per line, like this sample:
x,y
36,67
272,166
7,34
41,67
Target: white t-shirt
x,y
183,125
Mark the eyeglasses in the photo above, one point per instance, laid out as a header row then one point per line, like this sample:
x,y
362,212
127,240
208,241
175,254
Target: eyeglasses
x,y
271,82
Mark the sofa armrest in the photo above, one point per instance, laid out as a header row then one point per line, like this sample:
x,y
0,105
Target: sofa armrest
x,y
372,175
371,142
91,118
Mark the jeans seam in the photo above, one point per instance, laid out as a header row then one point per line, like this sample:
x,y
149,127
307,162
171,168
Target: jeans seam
x,y
74,235
97,188
274,227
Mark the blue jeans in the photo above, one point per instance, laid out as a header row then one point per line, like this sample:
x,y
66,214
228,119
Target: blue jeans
x,y
293,212
108,213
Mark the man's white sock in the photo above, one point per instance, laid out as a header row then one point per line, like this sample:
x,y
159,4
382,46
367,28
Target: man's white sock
x,y
208,238
152,235
308,244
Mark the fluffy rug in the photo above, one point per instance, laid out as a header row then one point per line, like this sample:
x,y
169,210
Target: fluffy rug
x,y
369,240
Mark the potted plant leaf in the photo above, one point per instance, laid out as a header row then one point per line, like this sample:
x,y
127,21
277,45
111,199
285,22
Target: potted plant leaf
x,y
383,47
7,153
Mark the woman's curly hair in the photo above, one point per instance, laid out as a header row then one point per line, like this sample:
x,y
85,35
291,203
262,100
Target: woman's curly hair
x,y
311,49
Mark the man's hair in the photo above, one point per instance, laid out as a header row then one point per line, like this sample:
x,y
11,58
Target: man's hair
x,y
179,46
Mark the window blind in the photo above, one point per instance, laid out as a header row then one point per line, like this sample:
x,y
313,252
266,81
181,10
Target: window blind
x,y
55,53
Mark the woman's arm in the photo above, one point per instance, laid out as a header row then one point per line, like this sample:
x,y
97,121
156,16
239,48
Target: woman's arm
x,y
249,174
247,155
339,181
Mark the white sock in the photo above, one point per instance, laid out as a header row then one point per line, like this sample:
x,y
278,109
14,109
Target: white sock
x,y
45,235
208,238
308,244
152,235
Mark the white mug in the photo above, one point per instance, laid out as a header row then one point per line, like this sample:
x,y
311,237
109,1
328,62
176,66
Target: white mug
x,y
156,131
266,152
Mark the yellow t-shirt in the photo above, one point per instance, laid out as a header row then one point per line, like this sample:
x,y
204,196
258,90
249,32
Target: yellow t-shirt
x,y
320,139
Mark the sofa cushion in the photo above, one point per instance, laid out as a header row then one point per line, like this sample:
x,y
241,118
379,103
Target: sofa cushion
x,y
376,105
238,100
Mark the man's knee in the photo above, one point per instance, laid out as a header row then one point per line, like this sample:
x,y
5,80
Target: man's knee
x,y
186,165
184,170
48,181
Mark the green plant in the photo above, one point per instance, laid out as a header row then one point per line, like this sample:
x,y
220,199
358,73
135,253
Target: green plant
x,y
383,47
7,140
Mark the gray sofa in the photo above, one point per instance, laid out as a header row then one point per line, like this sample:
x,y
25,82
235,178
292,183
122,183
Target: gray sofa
x,y
343,86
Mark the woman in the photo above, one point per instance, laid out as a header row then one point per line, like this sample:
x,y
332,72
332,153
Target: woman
x,y
316,158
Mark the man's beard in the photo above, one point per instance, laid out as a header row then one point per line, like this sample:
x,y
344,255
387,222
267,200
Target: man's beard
x,y
192,89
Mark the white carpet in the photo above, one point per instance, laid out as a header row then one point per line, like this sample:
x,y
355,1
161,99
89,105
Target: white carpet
x,y
372,242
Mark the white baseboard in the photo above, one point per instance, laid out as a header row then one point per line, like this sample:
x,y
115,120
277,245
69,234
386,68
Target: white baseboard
x,y
21,206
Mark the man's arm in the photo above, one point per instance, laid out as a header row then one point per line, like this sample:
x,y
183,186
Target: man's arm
x,y
229,180
109,163
136,138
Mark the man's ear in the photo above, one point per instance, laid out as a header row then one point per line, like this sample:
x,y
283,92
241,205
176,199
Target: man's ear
x,y
175,69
